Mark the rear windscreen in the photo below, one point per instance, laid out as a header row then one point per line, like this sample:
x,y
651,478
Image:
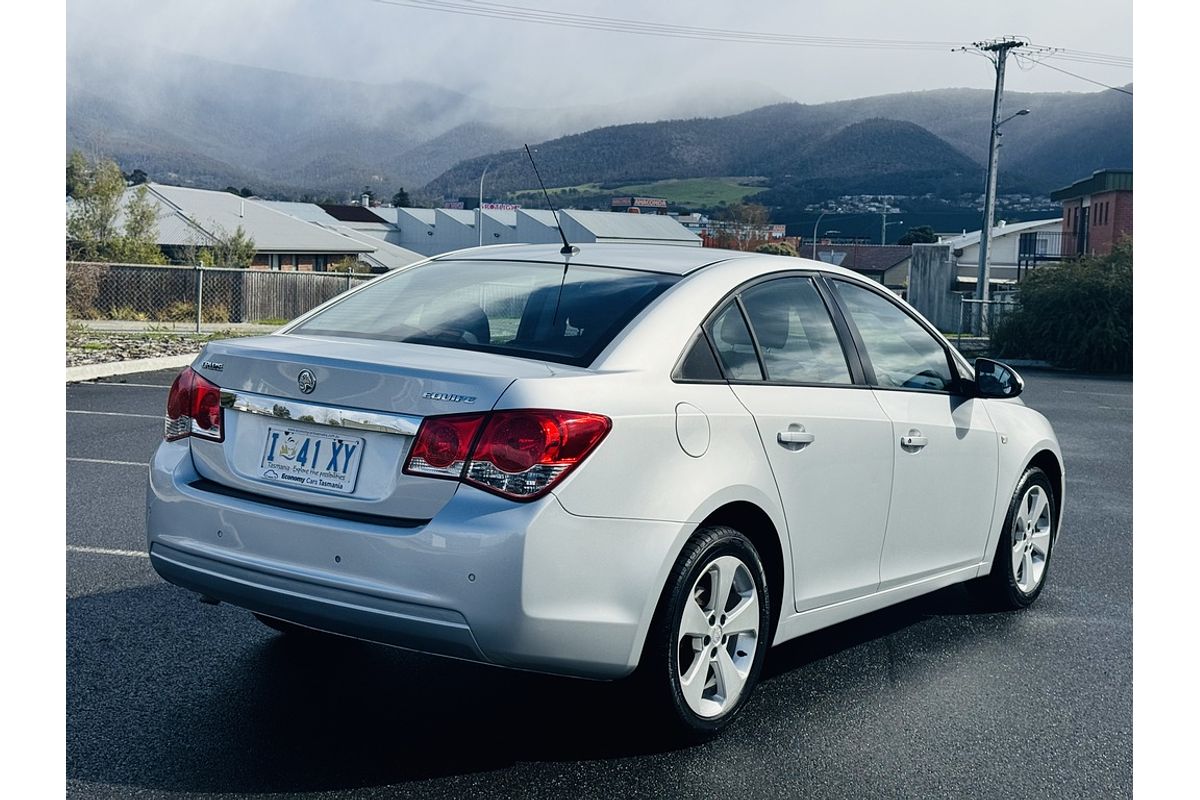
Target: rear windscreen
x,y
519,309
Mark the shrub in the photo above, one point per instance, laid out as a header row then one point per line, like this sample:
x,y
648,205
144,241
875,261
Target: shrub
x,y
1078,314
185,311
776,249
83,287
127,313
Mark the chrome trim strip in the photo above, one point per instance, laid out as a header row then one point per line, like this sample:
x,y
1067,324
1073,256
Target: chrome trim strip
x,y
349,418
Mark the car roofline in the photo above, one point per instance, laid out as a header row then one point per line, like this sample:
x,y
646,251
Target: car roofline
x,y
664,258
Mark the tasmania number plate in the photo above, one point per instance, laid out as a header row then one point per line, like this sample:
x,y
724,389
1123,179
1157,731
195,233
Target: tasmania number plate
x,y
324,462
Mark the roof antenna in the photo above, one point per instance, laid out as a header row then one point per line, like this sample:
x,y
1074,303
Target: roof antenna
x,y
567,248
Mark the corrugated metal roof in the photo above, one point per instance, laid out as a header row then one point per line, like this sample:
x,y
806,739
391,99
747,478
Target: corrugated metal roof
x,y
968,239
459,215
1102,180
508,218
309,212
220,213
347,213
426,216
384,254
541,215
611,225
865,257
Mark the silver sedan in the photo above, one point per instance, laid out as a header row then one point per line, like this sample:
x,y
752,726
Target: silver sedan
x,y
647,461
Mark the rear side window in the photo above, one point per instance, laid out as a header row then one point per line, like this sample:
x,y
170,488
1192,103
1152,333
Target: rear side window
x,y
735,348
519,309
795,333
903,354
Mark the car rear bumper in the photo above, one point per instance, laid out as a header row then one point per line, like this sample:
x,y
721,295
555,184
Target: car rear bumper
x,y
524,585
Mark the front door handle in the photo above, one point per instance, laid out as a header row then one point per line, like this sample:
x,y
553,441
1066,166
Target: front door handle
x,y
795,437
914,440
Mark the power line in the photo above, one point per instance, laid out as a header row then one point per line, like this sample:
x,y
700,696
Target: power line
x,y
616,25
1089,80
1042,62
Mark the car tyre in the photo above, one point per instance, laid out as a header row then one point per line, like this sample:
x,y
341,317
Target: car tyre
x,y
709,637
1022,561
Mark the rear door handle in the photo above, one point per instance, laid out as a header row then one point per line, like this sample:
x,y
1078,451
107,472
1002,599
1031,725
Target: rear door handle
x,y
795,437
914,440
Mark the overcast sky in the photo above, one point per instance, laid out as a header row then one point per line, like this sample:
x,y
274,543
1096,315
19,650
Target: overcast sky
x,y
521,63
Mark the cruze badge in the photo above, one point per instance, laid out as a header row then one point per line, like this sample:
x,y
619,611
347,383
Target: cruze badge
x,y
449,398
307,381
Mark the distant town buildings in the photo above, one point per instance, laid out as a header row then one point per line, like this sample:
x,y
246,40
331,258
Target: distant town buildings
x,y
311,237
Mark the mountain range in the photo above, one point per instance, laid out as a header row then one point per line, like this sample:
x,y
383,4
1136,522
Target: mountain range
x,y
193,121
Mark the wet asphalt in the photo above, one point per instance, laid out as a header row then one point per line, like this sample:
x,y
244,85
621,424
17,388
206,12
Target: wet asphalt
x,y
167,697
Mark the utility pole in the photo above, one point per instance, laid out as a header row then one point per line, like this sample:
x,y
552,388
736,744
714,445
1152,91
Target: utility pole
x,y
999,50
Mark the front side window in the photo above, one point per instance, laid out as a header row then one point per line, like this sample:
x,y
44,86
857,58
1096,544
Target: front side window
x,y
527,310
903,354
795,333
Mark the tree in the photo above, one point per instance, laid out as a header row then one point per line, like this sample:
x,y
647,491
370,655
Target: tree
x,y
139,244
922,234
777,249
400,199
229,249
97,190
745,226
348,264
136,178
1077,314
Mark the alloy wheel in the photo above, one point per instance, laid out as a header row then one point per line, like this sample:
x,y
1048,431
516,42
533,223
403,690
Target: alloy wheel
x,y
718,636
1032,526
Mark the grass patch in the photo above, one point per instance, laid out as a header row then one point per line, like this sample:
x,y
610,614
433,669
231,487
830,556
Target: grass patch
x,y
700,192
708,193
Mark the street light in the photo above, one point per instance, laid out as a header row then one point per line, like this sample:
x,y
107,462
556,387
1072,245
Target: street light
x,y
818,225
886,225
827,235
479,211
989,213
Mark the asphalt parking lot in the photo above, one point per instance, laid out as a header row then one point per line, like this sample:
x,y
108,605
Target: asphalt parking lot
x,y
167,697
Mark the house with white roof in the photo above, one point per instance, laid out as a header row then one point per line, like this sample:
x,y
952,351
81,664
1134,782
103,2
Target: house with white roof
x,y
192,218
1015,248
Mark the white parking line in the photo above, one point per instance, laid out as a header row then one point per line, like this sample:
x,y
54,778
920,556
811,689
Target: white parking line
x,y
106,461
1102,394
115,414
106,551
137,385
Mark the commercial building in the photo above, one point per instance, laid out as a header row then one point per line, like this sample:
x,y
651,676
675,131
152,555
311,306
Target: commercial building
x,y
1097,212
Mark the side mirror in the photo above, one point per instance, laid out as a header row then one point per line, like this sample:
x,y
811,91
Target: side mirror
x,y
994,379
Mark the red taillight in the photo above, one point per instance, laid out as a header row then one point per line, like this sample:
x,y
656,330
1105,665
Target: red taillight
x,y
519,454
443,445
193,408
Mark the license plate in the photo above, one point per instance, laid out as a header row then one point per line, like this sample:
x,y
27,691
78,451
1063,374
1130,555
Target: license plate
x,y
323,462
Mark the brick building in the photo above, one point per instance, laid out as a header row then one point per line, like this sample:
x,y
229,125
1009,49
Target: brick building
x,y
1097,212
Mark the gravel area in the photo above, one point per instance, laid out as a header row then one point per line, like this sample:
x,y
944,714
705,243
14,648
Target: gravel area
x,y
102,347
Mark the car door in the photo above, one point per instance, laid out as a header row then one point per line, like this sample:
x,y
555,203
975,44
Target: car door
x,y
827,439
943,444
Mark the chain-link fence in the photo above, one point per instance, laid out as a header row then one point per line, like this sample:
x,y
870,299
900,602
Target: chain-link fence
x,y
998,307
143,293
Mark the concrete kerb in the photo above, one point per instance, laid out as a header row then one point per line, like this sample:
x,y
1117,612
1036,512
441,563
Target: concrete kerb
x,y
90,372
